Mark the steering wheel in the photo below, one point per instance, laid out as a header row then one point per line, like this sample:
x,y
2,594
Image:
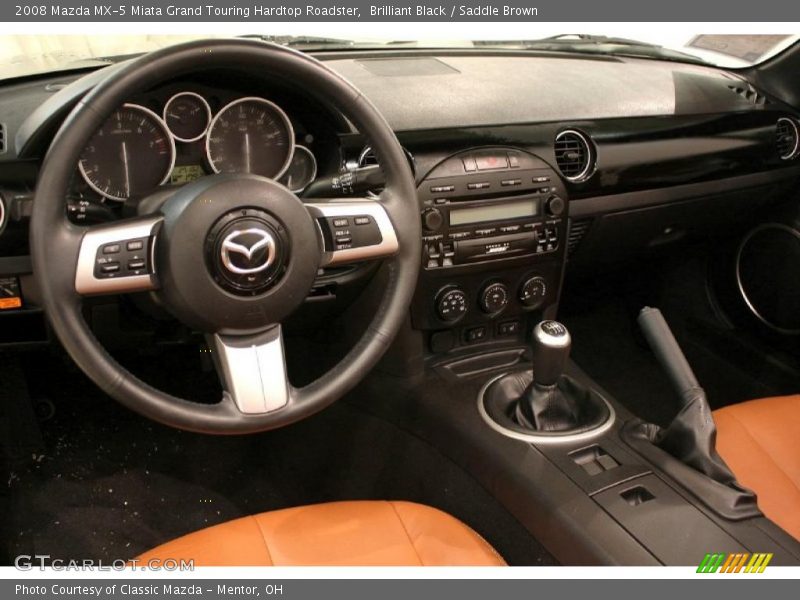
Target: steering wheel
x,y
228,255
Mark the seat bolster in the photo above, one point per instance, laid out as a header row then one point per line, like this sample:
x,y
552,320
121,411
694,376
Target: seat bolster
x,y
358,533
760,441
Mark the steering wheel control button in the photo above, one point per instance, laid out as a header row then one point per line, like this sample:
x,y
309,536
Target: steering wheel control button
x,y
247,251
339,235
451,304
125,258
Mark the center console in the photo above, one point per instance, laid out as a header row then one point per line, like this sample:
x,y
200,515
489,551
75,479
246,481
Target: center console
x,y
494,226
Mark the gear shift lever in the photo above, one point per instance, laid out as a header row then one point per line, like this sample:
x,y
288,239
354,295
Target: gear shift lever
x,y
545,406
544,403
551,344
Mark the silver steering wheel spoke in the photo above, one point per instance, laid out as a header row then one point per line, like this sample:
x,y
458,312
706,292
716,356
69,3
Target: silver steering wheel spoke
x,y
117,258
252,370
353,229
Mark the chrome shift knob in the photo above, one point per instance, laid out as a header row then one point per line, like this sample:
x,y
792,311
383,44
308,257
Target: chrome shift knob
x,y
551,344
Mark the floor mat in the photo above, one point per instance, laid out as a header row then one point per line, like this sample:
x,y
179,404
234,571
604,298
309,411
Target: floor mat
x,y
111,484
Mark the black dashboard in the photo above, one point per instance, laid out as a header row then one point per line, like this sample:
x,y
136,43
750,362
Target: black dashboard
x,y
525,163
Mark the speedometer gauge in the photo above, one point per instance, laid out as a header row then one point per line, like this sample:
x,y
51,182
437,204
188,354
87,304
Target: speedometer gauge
x,y
250,135
131,154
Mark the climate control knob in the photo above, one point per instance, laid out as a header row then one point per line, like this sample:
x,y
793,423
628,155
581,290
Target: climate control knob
x,y
533,291
432,219
451,304
494,298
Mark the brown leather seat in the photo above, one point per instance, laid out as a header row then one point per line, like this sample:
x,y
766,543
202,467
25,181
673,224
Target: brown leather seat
x,y
760,441
339,533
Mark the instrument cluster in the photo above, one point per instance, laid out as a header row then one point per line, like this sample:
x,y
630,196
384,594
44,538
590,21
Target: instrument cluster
x,y
142,146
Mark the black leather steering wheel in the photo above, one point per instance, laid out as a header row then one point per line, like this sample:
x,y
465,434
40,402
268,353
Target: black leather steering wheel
x,y
189,243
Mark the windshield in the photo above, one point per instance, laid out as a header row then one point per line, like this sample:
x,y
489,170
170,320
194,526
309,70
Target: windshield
x,y
22,55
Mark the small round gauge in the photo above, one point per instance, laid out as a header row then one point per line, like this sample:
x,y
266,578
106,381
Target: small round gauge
x,y
187,116
250,135
302,170
132,153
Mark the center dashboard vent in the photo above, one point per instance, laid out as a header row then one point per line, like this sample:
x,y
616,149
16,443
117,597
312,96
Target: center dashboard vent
x,y
787,138
575,155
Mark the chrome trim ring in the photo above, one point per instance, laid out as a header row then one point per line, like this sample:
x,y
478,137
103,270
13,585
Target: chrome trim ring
x,y
533,438
591,164
208,115
740,285
299,147
284,117
171,147
796,150
2,213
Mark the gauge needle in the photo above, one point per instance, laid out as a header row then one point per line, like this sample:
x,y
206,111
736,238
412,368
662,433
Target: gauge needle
x,y
247,152
127,170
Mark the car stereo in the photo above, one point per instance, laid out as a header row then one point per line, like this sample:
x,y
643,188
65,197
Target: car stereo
x,y
494,233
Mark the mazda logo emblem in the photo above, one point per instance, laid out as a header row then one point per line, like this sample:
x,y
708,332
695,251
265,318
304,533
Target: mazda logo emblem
x,y
247,251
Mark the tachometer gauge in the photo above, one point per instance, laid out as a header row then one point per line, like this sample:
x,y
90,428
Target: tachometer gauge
x,y
302,170
187,116
250,135
131,154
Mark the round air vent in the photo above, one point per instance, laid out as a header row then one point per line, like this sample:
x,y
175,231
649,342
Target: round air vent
x,y
787,138
575,155
367,158
768,275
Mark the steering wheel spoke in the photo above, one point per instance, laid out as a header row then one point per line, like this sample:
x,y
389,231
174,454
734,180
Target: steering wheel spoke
x,y
117,258
353,229
253,370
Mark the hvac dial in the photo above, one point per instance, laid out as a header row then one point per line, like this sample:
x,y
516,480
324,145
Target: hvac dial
x,y
494,298
187,116
533,291
451,304
250,135
131,154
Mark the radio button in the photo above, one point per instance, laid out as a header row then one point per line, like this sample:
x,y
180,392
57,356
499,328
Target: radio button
x,y
487,231
479,185
554,206
432,219
438,189
540,179
510,228
509,182
487,162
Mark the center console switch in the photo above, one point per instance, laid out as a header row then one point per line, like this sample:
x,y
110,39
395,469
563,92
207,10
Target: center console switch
x,y
494,224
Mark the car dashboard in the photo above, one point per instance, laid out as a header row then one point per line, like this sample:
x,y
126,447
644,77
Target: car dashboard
x,y
528,166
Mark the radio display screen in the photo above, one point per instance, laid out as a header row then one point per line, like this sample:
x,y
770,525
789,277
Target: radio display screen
x,y
495,212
